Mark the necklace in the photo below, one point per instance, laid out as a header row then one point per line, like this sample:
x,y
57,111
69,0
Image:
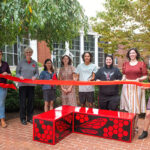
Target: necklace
x,y
133,63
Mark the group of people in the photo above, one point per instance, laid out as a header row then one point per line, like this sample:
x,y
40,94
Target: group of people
x,y
132,97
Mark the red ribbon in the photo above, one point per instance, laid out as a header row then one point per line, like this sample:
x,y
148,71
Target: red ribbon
x,y
62,82
12,86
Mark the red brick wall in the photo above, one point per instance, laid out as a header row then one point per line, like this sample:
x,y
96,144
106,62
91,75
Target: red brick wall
x,y
43,51
121,57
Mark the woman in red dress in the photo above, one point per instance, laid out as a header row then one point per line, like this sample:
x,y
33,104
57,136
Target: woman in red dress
x,y
132,96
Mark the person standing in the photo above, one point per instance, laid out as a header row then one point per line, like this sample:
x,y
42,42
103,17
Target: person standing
x,y
27,69
4,70
86,72
67,72
49,91
108,94
146,121
133,96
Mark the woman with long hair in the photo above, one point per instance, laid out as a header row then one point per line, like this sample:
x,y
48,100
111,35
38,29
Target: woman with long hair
x,y
133,96
49,91
108,94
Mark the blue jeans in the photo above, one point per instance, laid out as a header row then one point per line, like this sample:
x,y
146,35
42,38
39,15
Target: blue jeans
x,y
3,93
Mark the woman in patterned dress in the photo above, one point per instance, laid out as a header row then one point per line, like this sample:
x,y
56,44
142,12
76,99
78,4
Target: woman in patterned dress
x,y
67,72
133,96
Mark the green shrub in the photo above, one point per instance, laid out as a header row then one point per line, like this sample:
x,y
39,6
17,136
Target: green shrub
x,y
12,99
58,101
39,64
96,97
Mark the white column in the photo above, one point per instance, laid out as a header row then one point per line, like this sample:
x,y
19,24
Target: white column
x,y
96,50
81,45
33,45
52,56
67,52
67,46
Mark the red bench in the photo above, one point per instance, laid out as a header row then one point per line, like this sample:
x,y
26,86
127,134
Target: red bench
x,y
52,126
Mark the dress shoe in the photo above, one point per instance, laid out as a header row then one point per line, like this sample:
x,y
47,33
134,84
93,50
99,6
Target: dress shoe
x,y
31,121
143,135
24,122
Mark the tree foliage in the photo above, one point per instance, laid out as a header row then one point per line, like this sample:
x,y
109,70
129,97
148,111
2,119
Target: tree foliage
x,y
48,20
125,22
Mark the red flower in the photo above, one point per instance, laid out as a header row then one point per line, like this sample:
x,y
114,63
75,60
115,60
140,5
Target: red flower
x,y
33,65
54,77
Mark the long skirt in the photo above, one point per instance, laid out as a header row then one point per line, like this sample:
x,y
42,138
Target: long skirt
x,y
133,99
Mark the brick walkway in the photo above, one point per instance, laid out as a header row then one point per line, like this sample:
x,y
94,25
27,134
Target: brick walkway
x,y
19,137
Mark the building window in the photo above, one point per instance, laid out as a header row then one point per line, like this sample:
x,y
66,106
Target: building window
x,y
59,50
100,57
12,54
89,45
148,62
75,50
74,46
116,61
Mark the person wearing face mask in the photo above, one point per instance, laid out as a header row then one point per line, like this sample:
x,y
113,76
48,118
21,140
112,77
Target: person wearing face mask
x,y
108,94
133,96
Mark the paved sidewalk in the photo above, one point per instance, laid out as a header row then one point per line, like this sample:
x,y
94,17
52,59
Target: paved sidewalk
x,y
19,137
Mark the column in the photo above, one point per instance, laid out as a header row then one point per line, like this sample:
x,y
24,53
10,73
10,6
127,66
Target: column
x,y
96,49
33,45
81,45
67,48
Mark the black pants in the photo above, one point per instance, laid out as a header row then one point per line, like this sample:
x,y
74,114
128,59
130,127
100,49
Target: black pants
x,y
26,96
109,102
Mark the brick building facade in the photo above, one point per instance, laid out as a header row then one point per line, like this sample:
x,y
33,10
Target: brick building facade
x,y
43,52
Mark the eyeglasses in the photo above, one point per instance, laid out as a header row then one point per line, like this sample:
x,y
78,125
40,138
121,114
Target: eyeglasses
x,y
28,52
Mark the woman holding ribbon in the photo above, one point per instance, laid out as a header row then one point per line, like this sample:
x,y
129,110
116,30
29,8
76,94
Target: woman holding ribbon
x,y
67,72
27,69
133,96
49,91
4,70
108,94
